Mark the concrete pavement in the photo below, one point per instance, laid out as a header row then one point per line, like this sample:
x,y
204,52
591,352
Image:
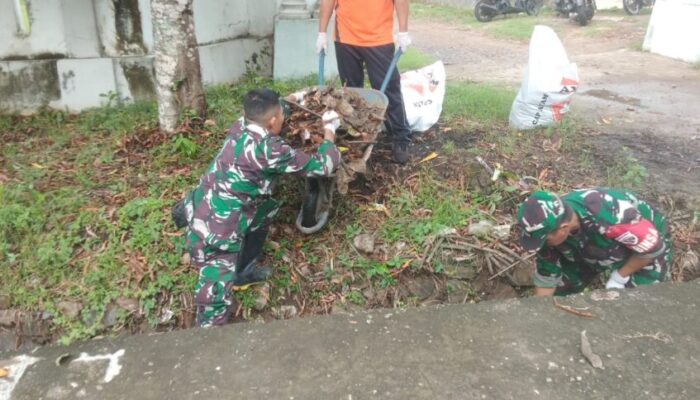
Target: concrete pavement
x,y
649,341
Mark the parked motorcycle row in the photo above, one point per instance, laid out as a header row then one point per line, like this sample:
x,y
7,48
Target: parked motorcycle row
x,y
581,11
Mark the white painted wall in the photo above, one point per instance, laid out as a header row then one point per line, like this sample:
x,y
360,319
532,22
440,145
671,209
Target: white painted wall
x,y
73,53
674,30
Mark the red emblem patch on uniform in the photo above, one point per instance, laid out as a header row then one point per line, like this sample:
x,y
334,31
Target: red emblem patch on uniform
x,y
641,237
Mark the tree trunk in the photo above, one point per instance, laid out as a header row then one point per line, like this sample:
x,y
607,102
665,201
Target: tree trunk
x,y
178,75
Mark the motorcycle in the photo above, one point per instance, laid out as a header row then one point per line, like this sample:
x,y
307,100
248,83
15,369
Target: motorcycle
x,y
632,7
579,10
485,10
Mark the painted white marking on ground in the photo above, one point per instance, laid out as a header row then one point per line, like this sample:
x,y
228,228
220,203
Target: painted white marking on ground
x,y
15,371
113,369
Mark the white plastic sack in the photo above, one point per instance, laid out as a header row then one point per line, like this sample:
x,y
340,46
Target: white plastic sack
x,y
423,93
549,83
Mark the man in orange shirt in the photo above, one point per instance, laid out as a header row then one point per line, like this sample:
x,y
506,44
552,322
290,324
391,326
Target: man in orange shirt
x,y
363,36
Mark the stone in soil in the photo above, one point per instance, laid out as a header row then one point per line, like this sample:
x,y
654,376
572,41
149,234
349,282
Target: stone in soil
x,y
4,301
422,287
364,242
69,309
457,291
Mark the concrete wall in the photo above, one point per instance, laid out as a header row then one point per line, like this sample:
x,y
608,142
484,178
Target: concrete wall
x,y
674,30
78,50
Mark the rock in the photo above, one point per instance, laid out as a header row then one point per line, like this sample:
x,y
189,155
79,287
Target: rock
x,y
111,315
128,304
8,317
503,292
522,276
421,287
447,232
458,291
364,243
458,266
263,298
69,309
185,259
502,232
285,312
4,301
481,228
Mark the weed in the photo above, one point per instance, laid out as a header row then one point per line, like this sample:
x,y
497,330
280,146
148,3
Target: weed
x,y
627,172
484,103
356,298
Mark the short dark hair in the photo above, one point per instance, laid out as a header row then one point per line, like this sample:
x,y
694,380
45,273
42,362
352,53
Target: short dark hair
x,y
258,103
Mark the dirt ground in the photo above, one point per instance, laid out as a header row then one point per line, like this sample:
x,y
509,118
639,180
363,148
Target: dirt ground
x,y
645,102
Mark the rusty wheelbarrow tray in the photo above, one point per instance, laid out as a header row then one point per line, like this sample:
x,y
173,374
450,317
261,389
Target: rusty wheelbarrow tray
x,y
318,192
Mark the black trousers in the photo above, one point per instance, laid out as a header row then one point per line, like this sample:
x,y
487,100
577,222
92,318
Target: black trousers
x,y
351,63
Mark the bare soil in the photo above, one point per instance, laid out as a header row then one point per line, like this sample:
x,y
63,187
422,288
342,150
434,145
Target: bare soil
x,y
630,98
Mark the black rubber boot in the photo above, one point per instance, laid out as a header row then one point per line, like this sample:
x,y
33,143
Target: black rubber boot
x,y
249,273
401,152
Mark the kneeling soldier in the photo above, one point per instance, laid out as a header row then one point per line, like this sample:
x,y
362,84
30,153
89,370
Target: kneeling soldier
x,y
585,232
229,212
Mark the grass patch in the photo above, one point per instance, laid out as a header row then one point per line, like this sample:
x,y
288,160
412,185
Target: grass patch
x,y
414,59
460,15
484,103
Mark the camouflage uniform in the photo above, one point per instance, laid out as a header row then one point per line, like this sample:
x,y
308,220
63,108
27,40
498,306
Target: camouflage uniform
x,y
232,200
615,225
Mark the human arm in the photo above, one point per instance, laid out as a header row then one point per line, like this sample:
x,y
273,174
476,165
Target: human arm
x,y
401,7
642,238
403,39
326,10
544,291
548,272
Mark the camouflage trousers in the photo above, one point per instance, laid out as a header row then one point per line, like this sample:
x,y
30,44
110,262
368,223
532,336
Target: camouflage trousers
x,y
577,277
213,292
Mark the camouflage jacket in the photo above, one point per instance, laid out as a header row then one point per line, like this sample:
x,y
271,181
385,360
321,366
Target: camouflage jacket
x,y
234,194
615,224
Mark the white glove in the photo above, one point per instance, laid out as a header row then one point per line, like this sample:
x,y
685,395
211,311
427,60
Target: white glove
x,y
403,40
321,43
331,120
617,281
299,96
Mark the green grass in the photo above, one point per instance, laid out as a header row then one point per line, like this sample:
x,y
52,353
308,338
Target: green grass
x,y
81,221
484,103
449,14
414,59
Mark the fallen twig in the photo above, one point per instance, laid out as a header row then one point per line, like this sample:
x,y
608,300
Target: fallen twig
x,y
573,310
587,352
660,336
512,265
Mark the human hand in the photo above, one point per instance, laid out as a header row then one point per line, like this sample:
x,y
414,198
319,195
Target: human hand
x,y
403,39
617,281
299,96
331,122
321,43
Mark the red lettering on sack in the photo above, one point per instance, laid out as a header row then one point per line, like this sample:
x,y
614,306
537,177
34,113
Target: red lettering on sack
x,y
641,237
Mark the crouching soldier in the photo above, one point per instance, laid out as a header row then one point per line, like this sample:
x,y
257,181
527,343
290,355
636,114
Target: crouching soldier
x,y
229,212
585,232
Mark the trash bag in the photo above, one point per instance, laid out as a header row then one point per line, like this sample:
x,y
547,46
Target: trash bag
x,y
423,92
549,82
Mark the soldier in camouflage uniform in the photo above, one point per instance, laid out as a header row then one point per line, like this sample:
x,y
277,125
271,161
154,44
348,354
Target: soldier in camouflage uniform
x,y
231,209
586,232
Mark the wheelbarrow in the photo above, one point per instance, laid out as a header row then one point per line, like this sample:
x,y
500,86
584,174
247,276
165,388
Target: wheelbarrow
x,y
318,192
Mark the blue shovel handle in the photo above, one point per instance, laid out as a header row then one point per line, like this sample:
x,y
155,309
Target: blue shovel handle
x,y
392,66
321,65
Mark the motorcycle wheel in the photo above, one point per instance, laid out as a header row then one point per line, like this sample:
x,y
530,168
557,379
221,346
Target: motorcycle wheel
x,y
632,7
483,14
533,7
585,14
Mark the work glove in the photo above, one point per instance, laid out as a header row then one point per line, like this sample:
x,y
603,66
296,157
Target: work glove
x,y
331,120
403,39
321,43
299,96
617,281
